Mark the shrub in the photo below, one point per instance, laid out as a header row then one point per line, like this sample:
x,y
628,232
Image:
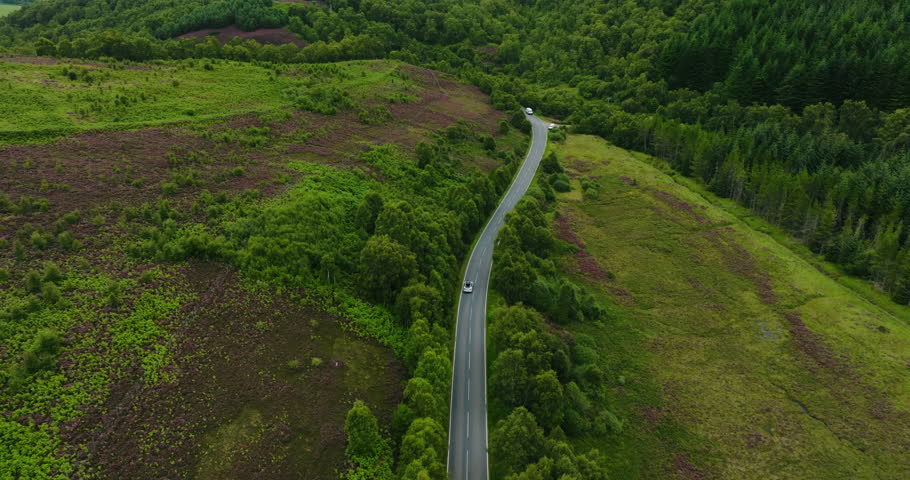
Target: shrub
x,y
38,240
550,164
324,99
561,183
376,115
607,422
32,282
113,294
315,361
169,188
42,353
294,364
68,242
52,273
488,143
19,251
4,276
148,276
50,293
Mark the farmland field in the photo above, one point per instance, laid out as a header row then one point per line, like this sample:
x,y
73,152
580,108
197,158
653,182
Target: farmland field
x,y
734,356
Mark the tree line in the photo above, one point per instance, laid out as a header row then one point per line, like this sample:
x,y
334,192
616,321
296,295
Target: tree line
x,y
547,381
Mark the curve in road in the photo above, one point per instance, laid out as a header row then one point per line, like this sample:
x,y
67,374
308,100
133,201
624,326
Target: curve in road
x,y
467,457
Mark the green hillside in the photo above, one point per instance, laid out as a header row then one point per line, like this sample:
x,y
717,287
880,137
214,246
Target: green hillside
x,y
739,358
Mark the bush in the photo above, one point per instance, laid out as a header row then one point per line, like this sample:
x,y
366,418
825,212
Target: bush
x,y
68,242
520,123
19,251
42,354
52,273
294,364
561,183
33,282
324,99
376,115
169,188
550,164
315,361
50,293
38,240
72,218
607,422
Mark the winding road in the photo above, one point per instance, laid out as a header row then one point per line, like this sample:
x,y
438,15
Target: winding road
x,y
468,459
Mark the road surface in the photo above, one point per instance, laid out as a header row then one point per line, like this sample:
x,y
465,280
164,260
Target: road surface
x,y
467,457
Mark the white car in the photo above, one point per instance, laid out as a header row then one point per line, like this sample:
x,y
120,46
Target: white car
x,y
529,111
551,126
468,287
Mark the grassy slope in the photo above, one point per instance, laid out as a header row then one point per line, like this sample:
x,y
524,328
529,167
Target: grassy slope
x,y
201,368
741,359
6,9
43,97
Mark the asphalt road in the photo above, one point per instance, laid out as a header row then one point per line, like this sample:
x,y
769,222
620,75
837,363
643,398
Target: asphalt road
x,y
468,445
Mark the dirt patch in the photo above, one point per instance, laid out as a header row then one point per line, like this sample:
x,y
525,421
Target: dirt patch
x,y
683,469
677,204
811,344
586,264
739,261
627,180
270,36
565,232
589,267
234,383
30,60
653,416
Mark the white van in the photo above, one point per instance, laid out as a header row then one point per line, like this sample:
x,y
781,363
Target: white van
x,y
529,111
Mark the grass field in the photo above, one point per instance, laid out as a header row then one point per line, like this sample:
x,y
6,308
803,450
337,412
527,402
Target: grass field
x,y
6,9
44,94
733,356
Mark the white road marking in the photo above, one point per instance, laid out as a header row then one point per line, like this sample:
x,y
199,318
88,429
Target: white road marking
x,y
467,456
469,421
